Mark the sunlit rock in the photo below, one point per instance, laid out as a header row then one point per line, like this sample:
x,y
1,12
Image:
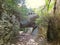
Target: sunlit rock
x,y
32,42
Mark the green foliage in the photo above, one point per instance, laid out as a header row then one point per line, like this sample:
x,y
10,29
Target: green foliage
x,y
49,4
44,11
44,15
23,10
11,3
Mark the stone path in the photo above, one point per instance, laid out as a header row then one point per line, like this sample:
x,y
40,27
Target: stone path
x,y
27,39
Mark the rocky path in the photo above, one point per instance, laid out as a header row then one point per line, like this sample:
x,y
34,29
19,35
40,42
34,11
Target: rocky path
x,y
28,39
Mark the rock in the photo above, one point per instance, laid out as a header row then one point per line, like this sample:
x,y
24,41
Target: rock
x,y
32,42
